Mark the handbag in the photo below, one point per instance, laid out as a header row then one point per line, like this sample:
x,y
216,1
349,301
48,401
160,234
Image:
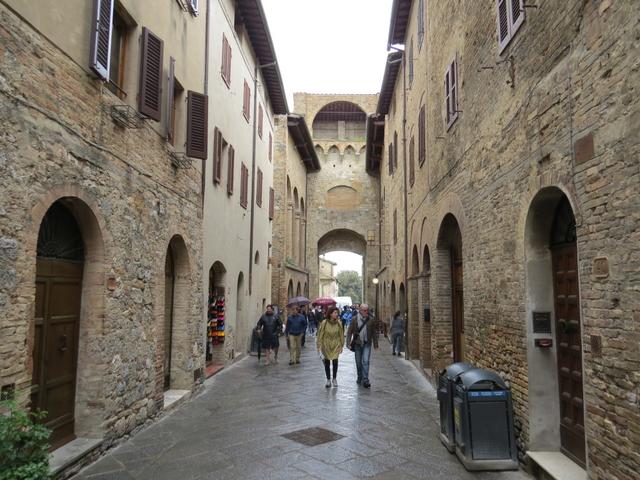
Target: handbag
x,y
356,336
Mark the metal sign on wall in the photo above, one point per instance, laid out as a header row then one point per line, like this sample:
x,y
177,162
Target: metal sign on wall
x,y
541,322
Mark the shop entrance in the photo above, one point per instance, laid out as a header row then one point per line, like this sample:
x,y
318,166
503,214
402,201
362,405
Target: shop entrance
x,y
59,267
568,332
216,317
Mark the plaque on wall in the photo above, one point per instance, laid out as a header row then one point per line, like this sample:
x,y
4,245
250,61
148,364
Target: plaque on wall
x,y
541,322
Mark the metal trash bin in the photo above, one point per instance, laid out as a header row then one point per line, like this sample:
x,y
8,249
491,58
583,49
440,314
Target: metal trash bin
x,y
483,419
445,397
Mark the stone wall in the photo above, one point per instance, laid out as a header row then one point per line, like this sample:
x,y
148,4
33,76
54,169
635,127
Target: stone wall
x,y
58,141
555,112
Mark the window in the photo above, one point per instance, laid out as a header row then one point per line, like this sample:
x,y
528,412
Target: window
x,y
395,151
244,181
422,153
259,188
395,227
260,121
193,6
175,98
272,198
510,17
197,125
225,68
412,164
218,145
151,75
270,147
117,58
246,101
411,63
390,159
420,23
230,170
451,93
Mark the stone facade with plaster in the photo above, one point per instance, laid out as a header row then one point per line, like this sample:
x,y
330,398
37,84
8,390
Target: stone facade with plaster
x,y
132,206
553,117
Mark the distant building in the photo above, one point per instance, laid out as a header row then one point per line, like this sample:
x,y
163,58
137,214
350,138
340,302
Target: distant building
x,y
328,282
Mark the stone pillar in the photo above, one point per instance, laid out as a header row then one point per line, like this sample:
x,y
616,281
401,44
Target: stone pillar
x,y
425,327
289,230
441,322
301,257
295,243
413,347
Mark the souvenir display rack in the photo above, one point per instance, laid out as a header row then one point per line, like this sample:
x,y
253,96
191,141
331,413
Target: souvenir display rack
x,y
215,321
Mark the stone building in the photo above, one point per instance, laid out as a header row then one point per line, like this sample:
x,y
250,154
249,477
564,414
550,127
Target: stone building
x,y
295,156
343,194
246,92
103,113
328,282
509,180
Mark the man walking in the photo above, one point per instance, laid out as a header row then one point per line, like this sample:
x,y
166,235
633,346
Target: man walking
x,y
361,336
269,326
296,326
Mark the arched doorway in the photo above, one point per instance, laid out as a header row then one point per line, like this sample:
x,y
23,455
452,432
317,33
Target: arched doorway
x,y
169,292
553,303
425,324
290,290
59,273
402,306
392,299
216,317
450,280
240,297
413,344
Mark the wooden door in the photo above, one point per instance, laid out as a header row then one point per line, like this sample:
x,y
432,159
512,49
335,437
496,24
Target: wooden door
x,y
169,288
457,303
569,349
55,349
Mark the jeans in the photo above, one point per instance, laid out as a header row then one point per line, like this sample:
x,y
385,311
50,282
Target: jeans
x,y
363,354
396,342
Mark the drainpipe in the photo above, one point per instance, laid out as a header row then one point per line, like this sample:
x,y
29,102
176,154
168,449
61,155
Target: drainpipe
x,y
203,175
405,195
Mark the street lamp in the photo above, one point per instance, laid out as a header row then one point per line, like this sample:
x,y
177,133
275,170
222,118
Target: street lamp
x,y
375,281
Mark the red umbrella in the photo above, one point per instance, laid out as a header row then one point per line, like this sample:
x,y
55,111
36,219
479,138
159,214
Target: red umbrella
x,y
324,301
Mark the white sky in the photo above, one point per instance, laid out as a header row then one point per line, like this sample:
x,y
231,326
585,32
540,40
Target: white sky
x,y
345,261
329,46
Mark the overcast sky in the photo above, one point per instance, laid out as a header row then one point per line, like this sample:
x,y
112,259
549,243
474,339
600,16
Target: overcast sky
x,y
330,46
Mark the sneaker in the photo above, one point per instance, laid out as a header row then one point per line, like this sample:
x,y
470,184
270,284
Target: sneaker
x,y
328,384
366,384
393,353
334,383
291,363
359,381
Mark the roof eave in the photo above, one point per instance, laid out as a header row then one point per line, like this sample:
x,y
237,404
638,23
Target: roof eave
x,y
394,59
304,143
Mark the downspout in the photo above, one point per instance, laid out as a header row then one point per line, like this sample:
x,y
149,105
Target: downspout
x,y
405,196
203,179
253,173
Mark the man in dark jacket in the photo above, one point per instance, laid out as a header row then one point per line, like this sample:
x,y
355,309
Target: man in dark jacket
x,y
363,332
296,326
269,325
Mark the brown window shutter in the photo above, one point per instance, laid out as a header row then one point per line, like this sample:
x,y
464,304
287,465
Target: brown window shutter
x,y
390,159
170,88
454,89
246,101
230,168
259,188
412,165
447,97
260,121
229,55
270,147
197,106
101,37
272,195
244,180
217,155
421,137
150,91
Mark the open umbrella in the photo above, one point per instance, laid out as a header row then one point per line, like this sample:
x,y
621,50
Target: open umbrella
x,y
298,301
324,301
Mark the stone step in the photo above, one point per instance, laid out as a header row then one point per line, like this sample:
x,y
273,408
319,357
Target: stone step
x,y
555,466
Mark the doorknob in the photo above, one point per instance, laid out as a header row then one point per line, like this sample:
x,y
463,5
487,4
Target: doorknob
x,y
62,343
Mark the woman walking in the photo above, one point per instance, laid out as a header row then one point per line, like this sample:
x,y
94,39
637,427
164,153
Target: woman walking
x,y
397,333
330,342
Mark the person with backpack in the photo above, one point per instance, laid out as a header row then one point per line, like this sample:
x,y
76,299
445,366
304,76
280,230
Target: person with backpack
x,y
362,335
329,344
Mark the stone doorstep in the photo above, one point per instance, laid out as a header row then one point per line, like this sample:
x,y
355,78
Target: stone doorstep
x,y
65,456
557,465
173,398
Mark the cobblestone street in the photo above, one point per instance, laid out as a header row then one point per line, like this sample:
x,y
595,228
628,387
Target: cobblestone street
x,y
235,428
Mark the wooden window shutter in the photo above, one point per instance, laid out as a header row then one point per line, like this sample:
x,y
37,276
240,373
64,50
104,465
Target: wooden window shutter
x,y
170,87
395,227
229,55
421,137
503,23
150,91
230,170
517,15
390,159
272,195
217,155
454,89
395,151
244,180
259,188
197,106
260,121
101,37
412,165
225,67
246,101
270,147
446,96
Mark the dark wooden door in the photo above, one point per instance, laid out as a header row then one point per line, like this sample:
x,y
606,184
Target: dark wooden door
x,y
55,349
457,303
169,287
568,338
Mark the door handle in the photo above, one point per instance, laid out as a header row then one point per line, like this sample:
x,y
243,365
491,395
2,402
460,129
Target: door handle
x,y
62,343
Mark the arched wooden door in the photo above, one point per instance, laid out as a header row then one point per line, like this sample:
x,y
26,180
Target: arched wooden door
x,y
568,332
169,291
457,298
59,266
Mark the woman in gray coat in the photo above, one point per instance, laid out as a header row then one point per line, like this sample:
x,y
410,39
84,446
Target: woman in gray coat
x,y
397,333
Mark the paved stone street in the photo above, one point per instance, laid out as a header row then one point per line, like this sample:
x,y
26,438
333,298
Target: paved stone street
x,y
235,428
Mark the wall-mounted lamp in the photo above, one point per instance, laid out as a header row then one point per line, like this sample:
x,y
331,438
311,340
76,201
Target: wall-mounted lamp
x,y
375,280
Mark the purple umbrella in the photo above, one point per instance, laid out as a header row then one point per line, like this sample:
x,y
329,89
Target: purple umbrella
x,y
298,301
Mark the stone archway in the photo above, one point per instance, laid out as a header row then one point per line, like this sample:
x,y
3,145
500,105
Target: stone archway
x,y
69,275
413,327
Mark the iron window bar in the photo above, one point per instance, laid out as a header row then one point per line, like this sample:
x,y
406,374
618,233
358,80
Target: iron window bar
x,y
180,160
126,116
